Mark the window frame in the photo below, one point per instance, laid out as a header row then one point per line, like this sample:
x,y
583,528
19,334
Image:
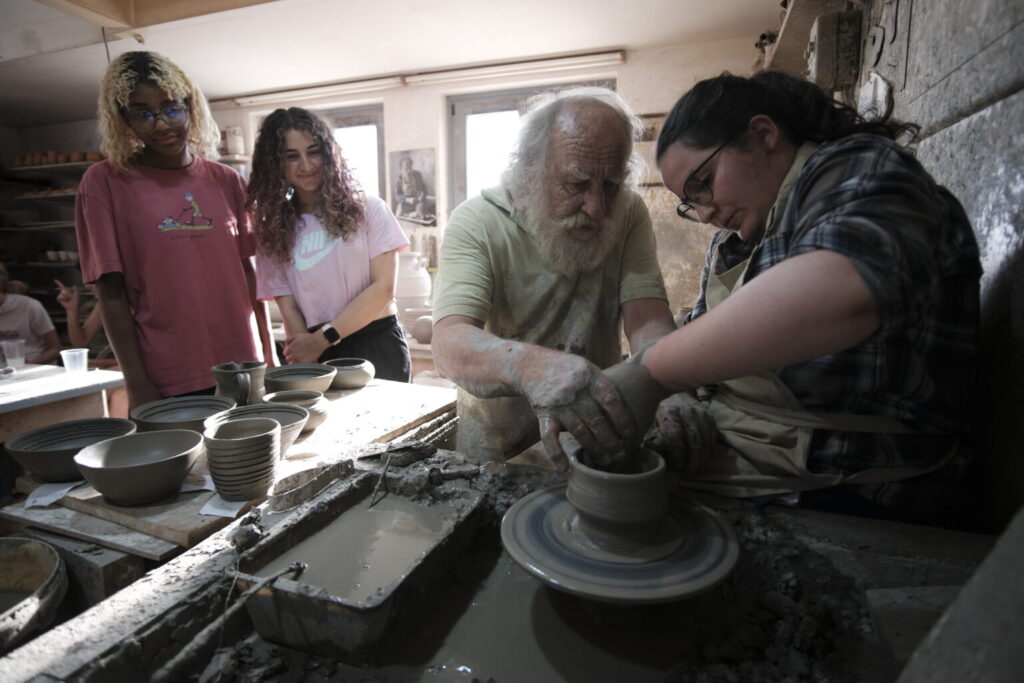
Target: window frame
x,y
344,117
461,106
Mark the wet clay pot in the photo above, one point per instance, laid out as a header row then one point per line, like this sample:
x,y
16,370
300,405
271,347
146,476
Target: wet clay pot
x,y
313,401
619,511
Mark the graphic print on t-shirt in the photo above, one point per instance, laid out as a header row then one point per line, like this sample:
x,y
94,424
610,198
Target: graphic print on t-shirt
x,y
196,221
312,247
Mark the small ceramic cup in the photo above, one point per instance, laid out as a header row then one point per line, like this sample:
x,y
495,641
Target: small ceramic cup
x,y
313,401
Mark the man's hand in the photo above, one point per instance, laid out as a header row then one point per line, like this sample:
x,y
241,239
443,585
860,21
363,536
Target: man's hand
x,y
572,394
683,432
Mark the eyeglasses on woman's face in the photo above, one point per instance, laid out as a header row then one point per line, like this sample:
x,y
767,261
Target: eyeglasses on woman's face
x,y
697,190
174,115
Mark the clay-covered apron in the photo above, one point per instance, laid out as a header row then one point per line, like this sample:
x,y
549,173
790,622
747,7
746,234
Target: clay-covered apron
x,y
764,431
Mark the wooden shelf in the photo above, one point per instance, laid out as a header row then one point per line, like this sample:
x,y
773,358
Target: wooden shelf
x,y
48,171
787,53
50,225
45,264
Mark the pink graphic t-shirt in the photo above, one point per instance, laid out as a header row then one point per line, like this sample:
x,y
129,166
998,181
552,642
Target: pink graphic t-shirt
x,y
179,237
327,272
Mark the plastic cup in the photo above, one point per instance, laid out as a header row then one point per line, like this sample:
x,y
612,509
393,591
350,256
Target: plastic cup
x,y
14,352
75,360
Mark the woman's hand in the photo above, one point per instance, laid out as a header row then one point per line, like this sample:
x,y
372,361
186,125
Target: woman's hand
x,y
305,348
67,297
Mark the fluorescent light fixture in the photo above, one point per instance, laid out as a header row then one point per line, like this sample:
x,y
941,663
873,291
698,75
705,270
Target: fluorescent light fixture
x,y
526,68
349,88
519,68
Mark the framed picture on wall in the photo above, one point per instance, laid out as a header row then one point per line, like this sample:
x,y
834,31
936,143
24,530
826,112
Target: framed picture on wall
x,y
646,146
413,190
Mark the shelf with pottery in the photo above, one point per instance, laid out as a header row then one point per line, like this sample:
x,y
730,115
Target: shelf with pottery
x,y
73,169
40,226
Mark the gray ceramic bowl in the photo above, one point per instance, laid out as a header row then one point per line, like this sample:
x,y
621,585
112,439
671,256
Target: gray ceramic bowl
x,y
50,451
184,412
291,418
353,373
308,376
313,401
140,468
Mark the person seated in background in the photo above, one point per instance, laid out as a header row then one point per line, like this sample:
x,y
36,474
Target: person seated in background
x,y
537,275
81,333
22,317
327,253
833,344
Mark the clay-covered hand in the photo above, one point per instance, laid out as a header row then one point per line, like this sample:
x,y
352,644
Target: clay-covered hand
x,y
305,348
570,393
67,296
683,432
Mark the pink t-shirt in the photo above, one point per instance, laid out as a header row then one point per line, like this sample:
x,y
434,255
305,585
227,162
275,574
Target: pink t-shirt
x,y
179,237
326,272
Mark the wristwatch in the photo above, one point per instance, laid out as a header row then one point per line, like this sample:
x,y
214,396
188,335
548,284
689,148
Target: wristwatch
x,y
330,334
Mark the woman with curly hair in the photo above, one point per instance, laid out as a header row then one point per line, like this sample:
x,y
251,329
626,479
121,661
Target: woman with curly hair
x,y
164,234
327,253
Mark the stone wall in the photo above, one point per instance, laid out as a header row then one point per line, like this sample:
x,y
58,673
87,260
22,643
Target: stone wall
x,y
957,69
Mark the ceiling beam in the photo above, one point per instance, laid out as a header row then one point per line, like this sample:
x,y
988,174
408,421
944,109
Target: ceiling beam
x,y
134,14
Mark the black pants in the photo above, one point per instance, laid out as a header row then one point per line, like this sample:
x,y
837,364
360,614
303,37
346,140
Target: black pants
x,y
382,342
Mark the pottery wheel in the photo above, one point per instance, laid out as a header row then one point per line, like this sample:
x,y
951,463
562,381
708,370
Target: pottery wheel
x,y
695,550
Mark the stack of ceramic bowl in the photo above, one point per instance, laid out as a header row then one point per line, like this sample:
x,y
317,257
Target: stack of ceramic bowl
x,y
140,468
353,373
291,418
312,401
305,376
49,451
183,412
242,455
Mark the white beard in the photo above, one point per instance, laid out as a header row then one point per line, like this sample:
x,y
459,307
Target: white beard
x,y
573,245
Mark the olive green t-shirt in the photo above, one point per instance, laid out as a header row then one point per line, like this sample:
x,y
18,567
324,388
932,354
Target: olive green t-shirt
x,y
490,270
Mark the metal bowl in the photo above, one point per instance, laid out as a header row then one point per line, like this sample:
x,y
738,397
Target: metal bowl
x,y
49,451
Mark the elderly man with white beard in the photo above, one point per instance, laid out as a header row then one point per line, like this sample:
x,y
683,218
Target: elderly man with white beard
x,y
536,276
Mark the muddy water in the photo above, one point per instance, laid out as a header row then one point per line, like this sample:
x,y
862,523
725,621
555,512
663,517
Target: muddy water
x,y
368,549
9,599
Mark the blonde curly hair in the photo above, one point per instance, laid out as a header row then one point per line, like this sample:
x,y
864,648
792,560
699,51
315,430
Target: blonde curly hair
x,y
118,141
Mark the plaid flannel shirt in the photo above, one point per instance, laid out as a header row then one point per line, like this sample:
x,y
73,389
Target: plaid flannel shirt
x,y
869,199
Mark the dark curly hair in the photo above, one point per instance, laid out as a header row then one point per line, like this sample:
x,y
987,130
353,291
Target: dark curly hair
x,y
716,112
342,204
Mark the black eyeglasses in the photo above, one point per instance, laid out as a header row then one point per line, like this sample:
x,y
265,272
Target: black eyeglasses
x,y
174,115
696,191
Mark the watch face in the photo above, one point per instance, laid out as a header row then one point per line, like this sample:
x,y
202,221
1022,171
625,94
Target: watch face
x,y
331,335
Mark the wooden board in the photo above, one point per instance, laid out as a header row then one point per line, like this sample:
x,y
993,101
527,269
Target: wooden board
x,y
176,520
381,411
68,522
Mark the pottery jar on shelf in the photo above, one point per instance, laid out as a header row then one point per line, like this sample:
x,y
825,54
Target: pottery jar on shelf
x,y
412,289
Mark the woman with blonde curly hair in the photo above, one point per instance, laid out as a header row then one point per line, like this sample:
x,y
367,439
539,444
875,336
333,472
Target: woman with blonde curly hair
x,y
326,253
164,233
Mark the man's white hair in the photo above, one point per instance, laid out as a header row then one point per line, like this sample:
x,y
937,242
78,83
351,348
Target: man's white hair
x,y
530,152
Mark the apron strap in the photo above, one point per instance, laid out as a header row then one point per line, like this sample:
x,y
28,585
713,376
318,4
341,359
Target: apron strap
x,y
843,422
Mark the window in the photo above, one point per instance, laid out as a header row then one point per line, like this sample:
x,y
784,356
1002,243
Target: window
x,y
483,130
360,134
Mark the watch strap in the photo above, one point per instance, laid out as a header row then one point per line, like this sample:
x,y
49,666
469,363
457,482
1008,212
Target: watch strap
x,y
330,334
